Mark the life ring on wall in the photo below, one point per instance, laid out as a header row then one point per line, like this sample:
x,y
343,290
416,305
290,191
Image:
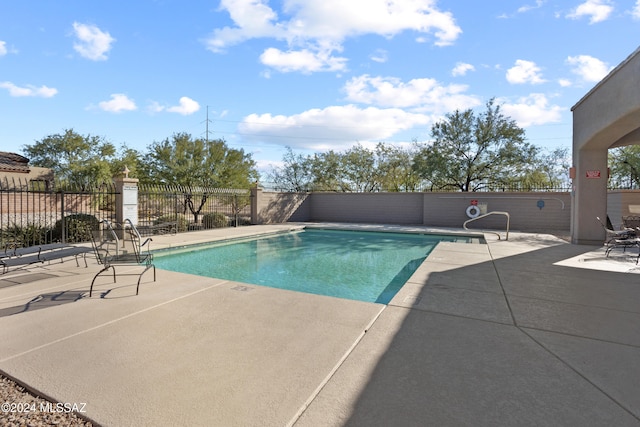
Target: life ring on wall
x,y
473,211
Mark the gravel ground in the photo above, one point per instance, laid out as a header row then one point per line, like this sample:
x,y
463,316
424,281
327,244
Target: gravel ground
x,y
20,408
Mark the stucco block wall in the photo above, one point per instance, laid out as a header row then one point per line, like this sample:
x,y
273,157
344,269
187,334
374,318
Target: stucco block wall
x,y
390,208
449,210
431,209
282,207
622,203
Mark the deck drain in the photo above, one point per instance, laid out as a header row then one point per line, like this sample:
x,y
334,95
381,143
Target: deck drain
x,y
242,288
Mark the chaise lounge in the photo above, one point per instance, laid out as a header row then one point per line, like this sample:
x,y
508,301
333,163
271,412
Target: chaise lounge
x,y
106,245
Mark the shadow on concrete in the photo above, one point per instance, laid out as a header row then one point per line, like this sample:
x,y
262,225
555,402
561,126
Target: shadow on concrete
x,y
567,356
45,301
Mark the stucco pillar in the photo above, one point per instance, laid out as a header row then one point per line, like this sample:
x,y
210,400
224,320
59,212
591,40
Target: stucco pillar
x,y
589,197
256,195
126,198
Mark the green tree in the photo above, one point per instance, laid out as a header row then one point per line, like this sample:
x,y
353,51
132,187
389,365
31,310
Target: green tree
x,y
130,158
359,170
294,175
472,152
326,169
73,157
549,169
395,170
624,163
190,162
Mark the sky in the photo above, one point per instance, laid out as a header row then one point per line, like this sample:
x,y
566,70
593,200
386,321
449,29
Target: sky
x,y
312,75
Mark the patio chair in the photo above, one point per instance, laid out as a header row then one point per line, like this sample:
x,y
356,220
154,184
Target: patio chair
x,y
140,255
631,221
611,235
632,242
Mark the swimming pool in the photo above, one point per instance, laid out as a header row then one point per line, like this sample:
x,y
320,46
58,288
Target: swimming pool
x,y
364,266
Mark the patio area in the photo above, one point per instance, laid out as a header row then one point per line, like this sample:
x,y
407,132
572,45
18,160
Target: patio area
x,y
529,331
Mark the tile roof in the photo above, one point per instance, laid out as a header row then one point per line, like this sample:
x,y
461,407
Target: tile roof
x,y
12,162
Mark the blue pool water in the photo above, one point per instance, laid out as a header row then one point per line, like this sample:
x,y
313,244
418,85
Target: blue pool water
x,y
363,266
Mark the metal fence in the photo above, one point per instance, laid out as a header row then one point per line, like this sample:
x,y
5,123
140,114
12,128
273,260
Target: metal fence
x,y
192,208
32,213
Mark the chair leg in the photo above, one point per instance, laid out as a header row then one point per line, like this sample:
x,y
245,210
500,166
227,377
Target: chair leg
x,y
140,277
99,273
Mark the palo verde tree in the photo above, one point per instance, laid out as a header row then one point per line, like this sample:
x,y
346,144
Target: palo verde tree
x,y
472,152
182,160
73,157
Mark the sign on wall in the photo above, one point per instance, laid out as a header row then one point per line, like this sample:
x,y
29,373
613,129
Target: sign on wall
x,y
130,203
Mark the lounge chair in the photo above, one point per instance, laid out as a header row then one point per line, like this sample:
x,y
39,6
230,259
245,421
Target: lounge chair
x,y
140,255
29,250
631,221
20,257
625,233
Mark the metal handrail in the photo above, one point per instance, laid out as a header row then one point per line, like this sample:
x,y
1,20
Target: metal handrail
x,y
112,233
486,215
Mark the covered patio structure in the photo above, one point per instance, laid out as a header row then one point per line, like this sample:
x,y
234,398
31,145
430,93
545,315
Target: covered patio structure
x,y
608,116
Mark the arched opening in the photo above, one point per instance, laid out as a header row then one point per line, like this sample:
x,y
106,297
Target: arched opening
x,y
606,117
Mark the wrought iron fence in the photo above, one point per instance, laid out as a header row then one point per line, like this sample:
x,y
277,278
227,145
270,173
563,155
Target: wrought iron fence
x,y
32,213
191,208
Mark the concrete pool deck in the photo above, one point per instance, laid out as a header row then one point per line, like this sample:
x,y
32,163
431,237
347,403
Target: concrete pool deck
x,y
529,331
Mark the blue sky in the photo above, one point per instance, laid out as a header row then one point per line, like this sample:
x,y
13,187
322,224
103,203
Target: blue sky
x,y
309,74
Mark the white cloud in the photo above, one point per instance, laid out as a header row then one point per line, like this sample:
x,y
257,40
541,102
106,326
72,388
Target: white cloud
x,y
528,7
28,90
420,95
462,69
597,10
187,106
3,48
532,110
305,61
119,102
314,29
253,19
92,42
564,82
588,68
381,55
635,12
335,127
524,72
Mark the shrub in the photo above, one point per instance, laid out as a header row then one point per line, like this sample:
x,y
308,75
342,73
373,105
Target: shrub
x,y
77,227
24,235
214,220
180,219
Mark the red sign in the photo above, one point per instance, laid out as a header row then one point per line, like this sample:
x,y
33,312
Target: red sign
x,y
593,174
474,203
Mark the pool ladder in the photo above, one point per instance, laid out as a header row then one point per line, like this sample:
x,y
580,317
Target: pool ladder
x,y
486,215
